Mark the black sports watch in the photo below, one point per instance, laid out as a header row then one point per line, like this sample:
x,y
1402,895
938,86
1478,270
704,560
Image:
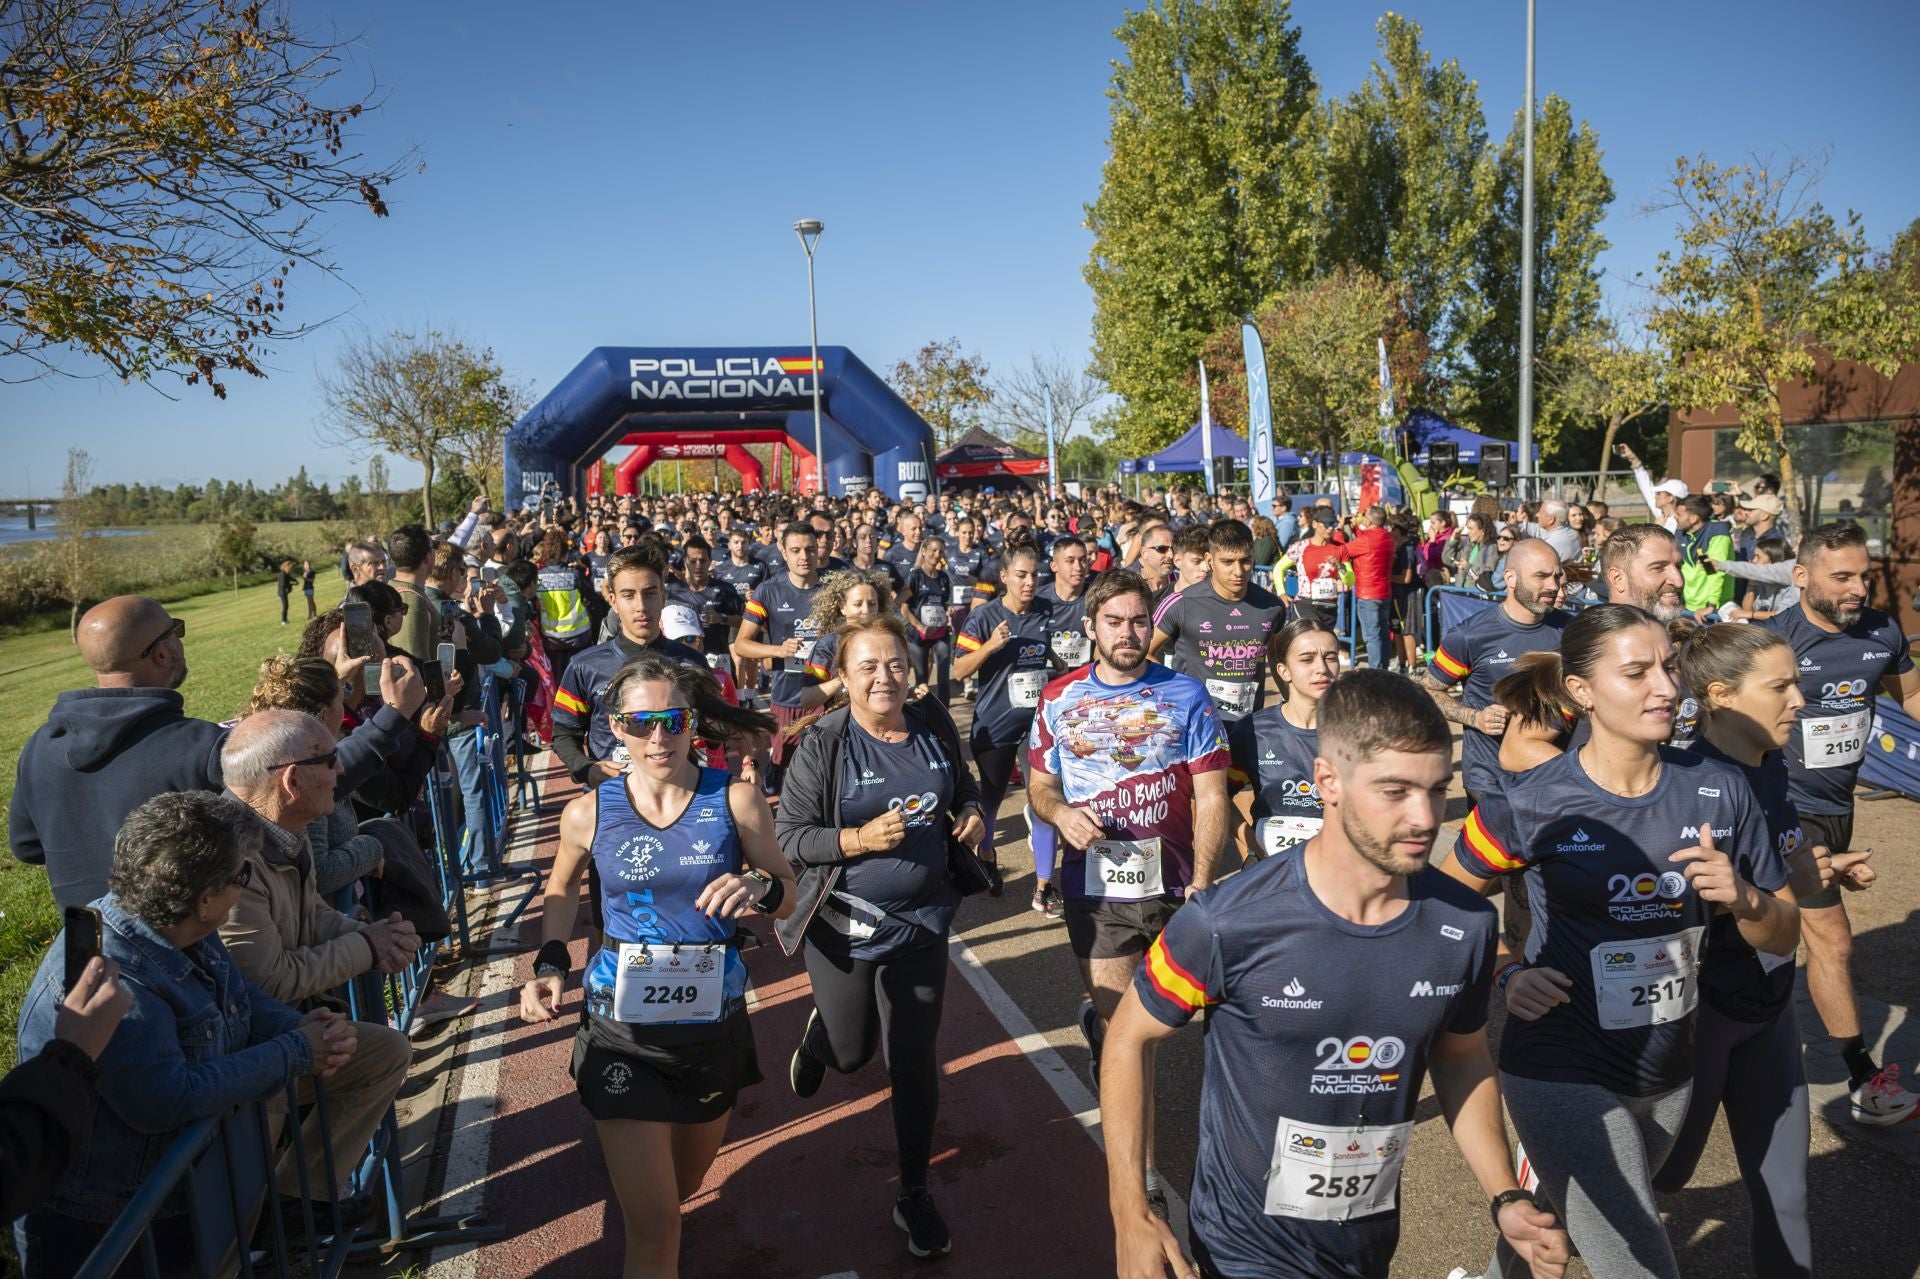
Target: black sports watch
x,y
1506,1197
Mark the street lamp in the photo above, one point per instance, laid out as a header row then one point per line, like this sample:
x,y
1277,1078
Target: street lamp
x,y
1526,286
809,229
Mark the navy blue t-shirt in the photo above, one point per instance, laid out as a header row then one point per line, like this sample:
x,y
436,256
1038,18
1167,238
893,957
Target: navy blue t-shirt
x,y
742,577
1739,981
782,611
1319,1032
892,902
1840,676
1276,760
1003,708
1067,636
1477,654
1612,913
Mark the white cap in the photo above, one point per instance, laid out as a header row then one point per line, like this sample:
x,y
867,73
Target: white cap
x,y
1673,488
678,622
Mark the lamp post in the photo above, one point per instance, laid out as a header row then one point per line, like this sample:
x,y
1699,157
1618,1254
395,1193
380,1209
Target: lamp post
x,y
809,229
1526,283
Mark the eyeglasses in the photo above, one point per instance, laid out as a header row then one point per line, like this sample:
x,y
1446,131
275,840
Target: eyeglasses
x,y
642,723
329,760
176,629
1161,550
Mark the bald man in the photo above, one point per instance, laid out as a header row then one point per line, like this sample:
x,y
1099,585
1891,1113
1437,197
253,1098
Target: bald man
x,y
108,749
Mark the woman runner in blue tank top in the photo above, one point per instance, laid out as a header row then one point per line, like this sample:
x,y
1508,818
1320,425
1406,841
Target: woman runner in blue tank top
x,y
683,852
1273,749
1629,849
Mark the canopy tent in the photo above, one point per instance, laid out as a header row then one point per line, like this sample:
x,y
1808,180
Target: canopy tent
x,y
1422,428
1185,454
979,459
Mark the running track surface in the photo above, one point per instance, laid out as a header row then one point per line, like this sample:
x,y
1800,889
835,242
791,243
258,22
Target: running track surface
x,y
804,1189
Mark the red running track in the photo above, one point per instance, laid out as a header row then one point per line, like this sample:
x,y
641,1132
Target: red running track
x,y
804,1189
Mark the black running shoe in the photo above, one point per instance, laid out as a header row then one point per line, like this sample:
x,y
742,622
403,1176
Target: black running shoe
x,y
926,1233
805,1071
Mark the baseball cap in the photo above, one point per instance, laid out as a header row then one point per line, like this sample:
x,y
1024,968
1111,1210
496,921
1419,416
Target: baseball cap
x,y
1674,488
678,622
1763,502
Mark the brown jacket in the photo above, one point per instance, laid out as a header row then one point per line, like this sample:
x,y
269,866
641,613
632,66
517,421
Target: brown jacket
x,y
288,941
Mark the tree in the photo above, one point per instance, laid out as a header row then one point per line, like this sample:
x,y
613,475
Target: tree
x,y
235,548
410,394
165,165
1207,199
946,387
1322,341
1599,376
1020,400
1764,279
1571,195
77,559
486,410
1410,186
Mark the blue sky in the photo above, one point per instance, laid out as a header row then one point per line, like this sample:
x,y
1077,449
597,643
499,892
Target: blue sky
x,y
629,173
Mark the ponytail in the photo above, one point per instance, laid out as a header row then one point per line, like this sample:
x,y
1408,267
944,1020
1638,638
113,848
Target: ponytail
x,y
1535,690
1724,654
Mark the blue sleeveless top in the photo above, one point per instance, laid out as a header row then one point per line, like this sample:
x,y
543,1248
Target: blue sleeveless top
x,y
650,877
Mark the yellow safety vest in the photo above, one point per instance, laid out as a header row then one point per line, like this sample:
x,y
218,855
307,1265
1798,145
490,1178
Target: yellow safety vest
x,y
563,612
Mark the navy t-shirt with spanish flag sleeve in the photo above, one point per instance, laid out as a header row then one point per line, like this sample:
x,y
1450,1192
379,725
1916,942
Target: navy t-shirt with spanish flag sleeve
x,y
1319,1031
1476,654
783,611
1613,913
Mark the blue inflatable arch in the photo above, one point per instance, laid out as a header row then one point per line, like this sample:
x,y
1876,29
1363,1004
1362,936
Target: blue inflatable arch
x,y
870,435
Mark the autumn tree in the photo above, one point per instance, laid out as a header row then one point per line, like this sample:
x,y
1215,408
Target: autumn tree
x,y
488,405
417,395
946,386
1764,279
1600,378
1322,341
164,166
1207,199
1020,399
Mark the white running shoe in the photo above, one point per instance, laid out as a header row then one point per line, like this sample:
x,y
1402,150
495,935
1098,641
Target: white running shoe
x,y
1460,1272
1882,1102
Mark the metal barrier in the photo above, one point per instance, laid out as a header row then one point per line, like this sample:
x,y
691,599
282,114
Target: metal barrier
x,y
212,1159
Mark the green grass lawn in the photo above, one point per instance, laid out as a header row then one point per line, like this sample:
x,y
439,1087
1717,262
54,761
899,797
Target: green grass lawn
x,y
229,633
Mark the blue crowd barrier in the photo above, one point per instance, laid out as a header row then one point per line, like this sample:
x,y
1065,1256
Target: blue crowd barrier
x,y
213,1160
1892,761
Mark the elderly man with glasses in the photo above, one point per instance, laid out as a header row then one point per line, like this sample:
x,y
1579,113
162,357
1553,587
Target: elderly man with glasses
x,y
108,749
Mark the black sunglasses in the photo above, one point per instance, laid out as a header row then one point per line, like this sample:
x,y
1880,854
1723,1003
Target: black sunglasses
x,y
176,629
1161,550
329,759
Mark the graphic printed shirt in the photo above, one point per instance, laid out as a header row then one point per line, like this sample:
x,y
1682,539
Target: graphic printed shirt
x,y
1223,643
1319,1032
1129,752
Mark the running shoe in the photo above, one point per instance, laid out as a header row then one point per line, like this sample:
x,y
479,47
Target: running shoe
x,y
1461,1272
805,1072
1047,901
926,1233
1039,902
1882,1102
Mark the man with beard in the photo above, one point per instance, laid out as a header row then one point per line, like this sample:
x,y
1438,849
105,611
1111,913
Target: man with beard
x,y
1640,565
1129,765
1476,653
1847,654
1334,979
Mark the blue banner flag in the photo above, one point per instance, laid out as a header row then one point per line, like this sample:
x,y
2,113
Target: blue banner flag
x,y
1259,420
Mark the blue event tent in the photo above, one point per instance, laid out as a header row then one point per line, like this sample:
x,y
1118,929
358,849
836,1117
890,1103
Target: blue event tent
x,y
1422,428
1184,454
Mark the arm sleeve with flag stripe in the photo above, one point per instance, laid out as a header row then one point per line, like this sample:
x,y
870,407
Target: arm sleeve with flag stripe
x,y
1181,972
1452,660
1490,842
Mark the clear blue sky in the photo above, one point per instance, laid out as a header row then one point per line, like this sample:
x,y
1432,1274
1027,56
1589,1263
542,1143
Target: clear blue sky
x,y
633,176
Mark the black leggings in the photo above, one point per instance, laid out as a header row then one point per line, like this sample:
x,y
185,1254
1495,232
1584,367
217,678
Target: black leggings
x,y
932,663
862,1001
996,765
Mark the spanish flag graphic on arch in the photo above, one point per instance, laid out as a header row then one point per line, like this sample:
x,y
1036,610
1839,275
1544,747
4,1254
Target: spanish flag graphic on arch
x,y
798,364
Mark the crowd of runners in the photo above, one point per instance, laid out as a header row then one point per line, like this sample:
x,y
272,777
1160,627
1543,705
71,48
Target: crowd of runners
x,y
1234,736
1232,809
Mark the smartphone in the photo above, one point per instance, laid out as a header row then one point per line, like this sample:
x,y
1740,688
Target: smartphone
x,y
83,941
361,641
473,586
447,655
489,573
435,676
371,677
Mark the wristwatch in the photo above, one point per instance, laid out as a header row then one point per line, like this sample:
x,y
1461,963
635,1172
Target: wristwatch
x,y
763,879
1506,1197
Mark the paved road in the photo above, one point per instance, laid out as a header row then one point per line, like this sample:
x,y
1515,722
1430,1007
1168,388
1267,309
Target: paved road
x,y
803,1189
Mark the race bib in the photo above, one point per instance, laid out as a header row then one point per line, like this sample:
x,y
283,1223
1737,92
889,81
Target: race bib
x,y
1647,983
1324,590
621,756
1334,1174
798,662
1023,688
961,593
669,984
1072,647
1278,834
719,662
1233,700
932,615
1835,741
1126,870
850,916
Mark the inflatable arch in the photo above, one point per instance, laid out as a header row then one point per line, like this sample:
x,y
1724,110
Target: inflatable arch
x,y
686,402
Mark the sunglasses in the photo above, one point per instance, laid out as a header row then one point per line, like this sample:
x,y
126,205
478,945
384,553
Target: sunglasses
x,y
1162,550
176,629
1503,538
642,723
329,760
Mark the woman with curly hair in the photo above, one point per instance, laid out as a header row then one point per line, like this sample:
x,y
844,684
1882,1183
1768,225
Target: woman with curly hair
x,y
846,596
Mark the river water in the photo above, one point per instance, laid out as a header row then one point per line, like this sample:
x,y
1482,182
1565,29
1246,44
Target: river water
x,y
14,530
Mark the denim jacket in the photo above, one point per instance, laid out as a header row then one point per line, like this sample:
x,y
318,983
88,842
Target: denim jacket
x,y
199,1040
